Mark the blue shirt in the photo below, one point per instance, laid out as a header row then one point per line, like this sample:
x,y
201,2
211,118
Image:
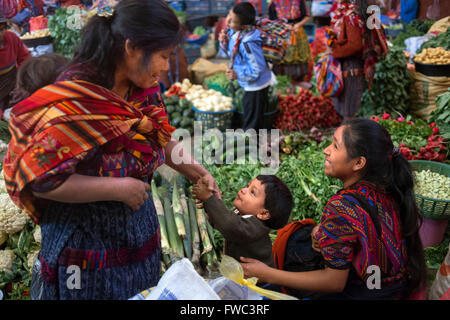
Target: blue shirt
x,y
250,65
408,10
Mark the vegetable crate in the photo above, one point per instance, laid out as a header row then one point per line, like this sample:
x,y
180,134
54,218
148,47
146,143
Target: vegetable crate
x,y
429,207
221,120
221,7
197,7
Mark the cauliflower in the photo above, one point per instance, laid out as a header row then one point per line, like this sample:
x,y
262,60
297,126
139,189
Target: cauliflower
x,y
37,234
12,218
31,257
6,260
3,237
2,183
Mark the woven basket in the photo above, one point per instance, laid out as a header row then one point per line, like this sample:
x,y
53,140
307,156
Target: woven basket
x,y
221,120
429,207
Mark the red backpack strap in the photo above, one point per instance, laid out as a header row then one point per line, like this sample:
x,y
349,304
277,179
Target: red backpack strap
x,y
283,235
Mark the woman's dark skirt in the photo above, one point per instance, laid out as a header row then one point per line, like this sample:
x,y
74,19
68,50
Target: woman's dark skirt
x,y
100,250
349,101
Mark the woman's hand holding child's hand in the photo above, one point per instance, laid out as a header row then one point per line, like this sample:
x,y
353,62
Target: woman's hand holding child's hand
x,y
202,190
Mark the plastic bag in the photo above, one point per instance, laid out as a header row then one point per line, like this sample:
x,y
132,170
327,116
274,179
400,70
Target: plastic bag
x,y
232,270
321,8
37,282
182,282
328,75
230,290
413,44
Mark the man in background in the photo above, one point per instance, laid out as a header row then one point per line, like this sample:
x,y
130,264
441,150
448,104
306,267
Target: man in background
x,y
12,54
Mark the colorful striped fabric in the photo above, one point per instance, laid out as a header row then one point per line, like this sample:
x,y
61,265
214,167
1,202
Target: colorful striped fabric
x,y
348,237
64,120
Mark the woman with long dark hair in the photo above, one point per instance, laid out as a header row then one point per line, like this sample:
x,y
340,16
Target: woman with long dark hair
x,y
369,228
84,152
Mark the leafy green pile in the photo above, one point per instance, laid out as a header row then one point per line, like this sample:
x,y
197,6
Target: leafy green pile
x,y
414,136
435,255
441,40
442,114
283,85
16,284
65,38
391,85
416,28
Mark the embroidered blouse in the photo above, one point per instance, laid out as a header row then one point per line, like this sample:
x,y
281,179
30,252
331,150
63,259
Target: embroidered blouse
x,y
348,236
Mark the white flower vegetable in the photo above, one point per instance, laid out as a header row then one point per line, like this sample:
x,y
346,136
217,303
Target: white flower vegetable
x,y
31,257
6,260
12,218
2,182
37,234
3,237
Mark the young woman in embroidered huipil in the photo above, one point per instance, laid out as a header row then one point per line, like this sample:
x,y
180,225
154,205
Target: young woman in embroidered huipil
x,y
295,12
85,149
372,222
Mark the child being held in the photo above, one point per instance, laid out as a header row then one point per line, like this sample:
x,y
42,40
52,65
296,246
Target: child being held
x,y
264,204
34,74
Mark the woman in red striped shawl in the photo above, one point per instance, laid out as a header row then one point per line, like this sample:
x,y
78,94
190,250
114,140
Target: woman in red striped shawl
x,y
84,151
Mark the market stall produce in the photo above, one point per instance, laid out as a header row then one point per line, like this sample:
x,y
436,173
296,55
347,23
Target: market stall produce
x,y
304,111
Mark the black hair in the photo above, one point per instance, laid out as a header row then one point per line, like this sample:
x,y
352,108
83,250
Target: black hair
x,y
279,201
38,72
387,168
245,12
149,25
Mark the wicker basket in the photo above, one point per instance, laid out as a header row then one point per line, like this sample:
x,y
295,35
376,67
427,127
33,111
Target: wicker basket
x,y
221,120
429,207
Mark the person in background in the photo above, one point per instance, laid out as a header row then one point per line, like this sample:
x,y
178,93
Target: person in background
x,y
408,10
358,50
298,55
12,54
243,44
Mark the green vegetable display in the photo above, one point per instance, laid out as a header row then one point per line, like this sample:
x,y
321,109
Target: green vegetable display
x,y
416,28
441,40
180,112
200,31
442,114
65,37
390,91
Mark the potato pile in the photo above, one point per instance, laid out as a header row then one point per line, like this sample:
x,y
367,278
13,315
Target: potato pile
x,y
433,56
36,34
